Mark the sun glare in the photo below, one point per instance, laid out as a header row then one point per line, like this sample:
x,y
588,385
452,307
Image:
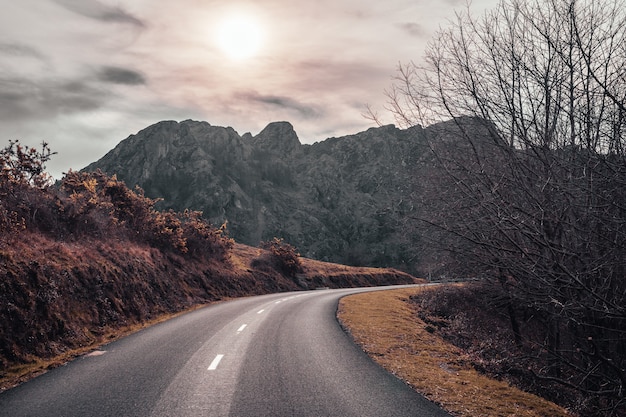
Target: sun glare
x,y
240,37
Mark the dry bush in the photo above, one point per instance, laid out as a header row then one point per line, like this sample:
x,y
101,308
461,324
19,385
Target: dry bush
x,y
283,256
204,239
11,223
23,188
95,203
23,165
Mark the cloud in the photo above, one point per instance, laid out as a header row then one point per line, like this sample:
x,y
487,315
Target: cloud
x,y
414,29
23,99
19,50
99,11
18,59
337,78
117,75
306,111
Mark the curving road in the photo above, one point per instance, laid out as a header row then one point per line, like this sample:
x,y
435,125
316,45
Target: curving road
x,y
273,355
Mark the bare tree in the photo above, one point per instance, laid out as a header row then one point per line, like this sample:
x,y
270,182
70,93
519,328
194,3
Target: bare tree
x,y
535,189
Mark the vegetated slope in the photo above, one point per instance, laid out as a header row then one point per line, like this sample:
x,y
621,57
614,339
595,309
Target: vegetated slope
x,y
83,259
395,333
57,295
352,200
476,319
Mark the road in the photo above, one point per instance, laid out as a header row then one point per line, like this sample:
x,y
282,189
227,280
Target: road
x,y
274,355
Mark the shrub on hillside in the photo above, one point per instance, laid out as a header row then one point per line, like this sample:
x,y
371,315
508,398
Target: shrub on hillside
x,y
22,165
204,239
23,185
94,197
96,205
284,256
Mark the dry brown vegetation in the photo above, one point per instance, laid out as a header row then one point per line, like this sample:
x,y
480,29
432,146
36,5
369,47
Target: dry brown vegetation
x,y
282,256
388,328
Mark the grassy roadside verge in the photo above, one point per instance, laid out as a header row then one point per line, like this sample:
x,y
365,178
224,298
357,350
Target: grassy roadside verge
x,y
386,327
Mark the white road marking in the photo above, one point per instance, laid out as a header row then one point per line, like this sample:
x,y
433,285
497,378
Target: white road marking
x,y
96,353
216,361
260,311
277,302
243,326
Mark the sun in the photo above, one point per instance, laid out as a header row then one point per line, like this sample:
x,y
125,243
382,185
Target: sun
x,y
240,37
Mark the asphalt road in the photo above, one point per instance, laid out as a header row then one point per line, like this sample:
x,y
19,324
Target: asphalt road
x,y
274,355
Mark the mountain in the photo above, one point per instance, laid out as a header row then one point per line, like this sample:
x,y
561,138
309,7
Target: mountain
x,y
351,200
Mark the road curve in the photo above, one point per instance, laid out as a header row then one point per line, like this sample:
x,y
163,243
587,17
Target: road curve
x,y
274,355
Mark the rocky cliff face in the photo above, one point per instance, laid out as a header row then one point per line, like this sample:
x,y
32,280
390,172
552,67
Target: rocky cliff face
x,y
350,200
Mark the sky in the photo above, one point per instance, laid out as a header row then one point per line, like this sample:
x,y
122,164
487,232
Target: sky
x,y
82,75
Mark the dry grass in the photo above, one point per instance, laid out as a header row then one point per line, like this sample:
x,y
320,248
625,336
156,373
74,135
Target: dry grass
x,y
385,325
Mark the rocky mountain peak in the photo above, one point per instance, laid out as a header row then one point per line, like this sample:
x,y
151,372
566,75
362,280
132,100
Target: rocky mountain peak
x,y
278,137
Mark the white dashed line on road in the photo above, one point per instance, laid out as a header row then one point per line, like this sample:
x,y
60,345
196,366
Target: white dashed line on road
x,y
243,326
260,311
216,361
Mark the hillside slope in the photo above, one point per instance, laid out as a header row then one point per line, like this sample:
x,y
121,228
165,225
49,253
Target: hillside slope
x,y
56,296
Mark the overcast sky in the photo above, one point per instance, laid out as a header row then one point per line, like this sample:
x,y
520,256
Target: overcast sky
x,y
83,75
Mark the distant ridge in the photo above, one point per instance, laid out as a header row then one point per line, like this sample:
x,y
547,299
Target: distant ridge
x,y
351,200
